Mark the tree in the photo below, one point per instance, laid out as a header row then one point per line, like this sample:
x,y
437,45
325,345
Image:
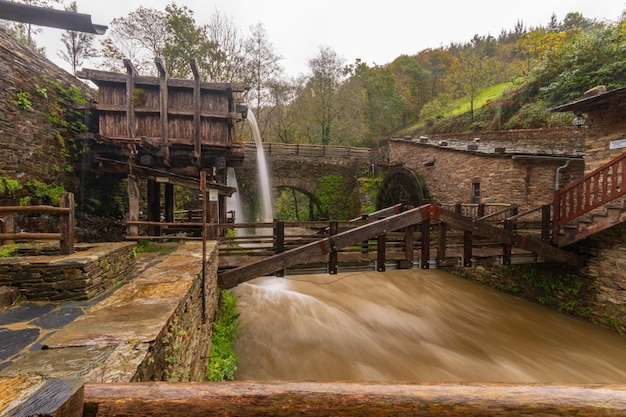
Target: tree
x,y
185,41
475,72
229,59
262,66
138,37
328,72
78,45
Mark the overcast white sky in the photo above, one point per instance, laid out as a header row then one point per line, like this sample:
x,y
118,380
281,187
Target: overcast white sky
x,y
375,31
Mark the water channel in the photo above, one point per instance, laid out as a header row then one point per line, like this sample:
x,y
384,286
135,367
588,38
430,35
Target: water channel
x,y
413,325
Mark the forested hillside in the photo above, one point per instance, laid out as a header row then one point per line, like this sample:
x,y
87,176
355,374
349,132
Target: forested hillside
x,y
490,82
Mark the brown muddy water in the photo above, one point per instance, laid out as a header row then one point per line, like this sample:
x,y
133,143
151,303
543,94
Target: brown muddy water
x,y
413,325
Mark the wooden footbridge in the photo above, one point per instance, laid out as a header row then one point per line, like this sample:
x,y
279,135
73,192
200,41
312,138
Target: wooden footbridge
x,y
406,220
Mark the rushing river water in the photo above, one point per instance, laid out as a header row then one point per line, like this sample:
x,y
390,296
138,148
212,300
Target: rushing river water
x,y
413,325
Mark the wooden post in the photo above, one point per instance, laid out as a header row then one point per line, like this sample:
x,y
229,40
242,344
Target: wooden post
x,y
506,248
425,257
133,205
481,210
365,243
163,101
154,207
205,205
545,223
380,252
169,203
556,213
131,72
279,241
408,245
468,240
442,243
67,224
197,107
333,255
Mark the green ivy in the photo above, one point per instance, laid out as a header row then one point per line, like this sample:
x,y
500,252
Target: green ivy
x,y
23,100
9,186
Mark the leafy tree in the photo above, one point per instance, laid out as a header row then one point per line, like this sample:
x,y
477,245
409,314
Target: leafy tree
x,y
139,37
475,72
384,106
185,41
328,72
412,84
78,45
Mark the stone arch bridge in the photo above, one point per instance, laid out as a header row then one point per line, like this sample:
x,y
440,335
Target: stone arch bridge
x,y
302,167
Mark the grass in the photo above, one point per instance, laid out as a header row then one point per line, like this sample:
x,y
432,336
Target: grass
x,y
462,104
223,362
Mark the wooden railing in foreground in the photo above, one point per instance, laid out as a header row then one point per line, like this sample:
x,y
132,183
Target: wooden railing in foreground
x,y
66,222
595,189
243,399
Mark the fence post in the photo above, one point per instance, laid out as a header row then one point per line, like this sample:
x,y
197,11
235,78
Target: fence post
x,y
333,256
425,256
67,224
279,241
545,223
556,215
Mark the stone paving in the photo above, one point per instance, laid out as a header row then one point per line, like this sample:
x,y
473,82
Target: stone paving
x,y
26,326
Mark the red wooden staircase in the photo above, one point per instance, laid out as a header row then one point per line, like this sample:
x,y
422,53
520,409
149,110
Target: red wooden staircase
x,y
591,204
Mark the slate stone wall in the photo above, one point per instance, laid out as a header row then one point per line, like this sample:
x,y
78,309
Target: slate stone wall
x,y
34,144
85,274
450,173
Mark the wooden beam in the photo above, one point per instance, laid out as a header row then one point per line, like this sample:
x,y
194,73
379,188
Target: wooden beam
x,y
197,110
303,254
154,399
32,396
163,104
131,72
99,76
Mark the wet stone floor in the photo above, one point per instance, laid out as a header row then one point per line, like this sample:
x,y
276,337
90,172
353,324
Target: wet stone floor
x,y
25,326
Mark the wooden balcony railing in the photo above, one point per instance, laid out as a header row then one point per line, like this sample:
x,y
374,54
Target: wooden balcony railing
x,y
595,189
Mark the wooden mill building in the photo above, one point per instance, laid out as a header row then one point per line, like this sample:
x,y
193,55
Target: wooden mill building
x,y
163,132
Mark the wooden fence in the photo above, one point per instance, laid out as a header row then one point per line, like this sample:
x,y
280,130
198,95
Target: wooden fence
x,y
66,223
318,151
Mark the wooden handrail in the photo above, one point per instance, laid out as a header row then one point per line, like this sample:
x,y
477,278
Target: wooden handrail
x,y
595,189
66,212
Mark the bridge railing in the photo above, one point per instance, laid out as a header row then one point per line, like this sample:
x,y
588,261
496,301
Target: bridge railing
x,y
316,151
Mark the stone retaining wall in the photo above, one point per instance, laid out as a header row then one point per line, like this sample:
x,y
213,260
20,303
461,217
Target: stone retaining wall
x,y
180,352
83,275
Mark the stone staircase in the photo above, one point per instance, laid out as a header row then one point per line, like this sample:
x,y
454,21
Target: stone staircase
x,y
593,222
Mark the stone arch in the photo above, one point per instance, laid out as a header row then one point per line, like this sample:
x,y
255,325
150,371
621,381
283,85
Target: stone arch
x,y
314,207
401,185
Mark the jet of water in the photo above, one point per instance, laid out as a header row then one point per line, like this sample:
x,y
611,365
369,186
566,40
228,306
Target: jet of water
x,y
267,214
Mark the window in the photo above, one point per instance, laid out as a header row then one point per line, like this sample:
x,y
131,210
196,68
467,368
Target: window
x,y
475,192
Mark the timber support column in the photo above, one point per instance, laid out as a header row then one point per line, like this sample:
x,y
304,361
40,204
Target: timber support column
x,y
133,205
154,207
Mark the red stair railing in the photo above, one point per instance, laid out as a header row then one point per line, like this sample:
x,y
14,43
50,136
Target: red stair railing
x,y
593,190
